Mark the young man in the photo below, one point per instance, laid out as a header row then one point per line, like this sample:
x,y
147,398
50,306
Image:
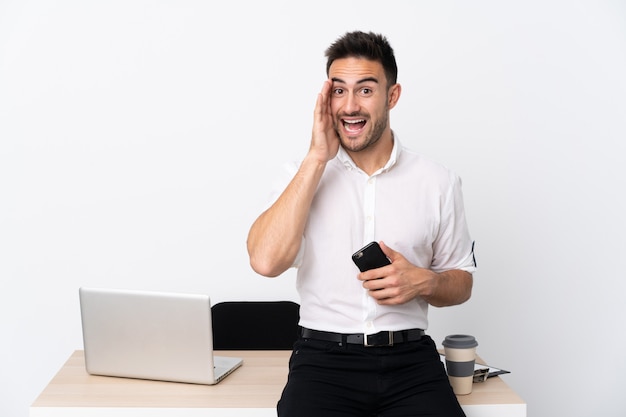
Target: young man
x,y
363,351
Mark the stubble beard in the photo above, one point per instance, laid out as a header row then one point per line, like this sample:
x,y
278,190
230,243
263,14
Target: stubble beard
x,y
370,139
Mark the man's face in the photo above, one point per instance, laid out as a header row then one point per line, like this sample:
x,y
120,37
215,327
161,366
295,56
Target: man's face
x,y
360,102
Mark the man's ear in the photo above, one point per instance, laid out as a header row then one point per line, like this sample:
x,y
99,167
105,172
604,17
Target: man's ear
x,y
394,95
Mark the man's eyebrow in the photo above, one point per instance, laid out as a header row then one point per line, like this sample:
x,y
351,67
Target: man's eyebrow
x,y
364,80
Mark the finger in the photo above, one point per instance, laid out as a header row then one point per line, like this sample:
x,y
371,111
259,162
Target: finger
x,y
381,295
387,295
375,284
371,274
322,97
324,94
319,112
326,87
391,254
322,107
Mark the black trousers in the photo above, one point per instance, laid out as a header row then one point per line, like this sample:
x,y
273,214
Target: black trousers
x,y
329,379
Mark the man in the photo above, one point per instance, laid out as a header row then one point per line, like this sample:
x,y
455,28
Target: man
x,y
363,351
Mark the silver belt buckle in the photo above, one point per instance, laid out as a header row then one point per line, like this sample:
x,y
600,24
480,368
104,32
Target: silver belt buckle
x,y
388,342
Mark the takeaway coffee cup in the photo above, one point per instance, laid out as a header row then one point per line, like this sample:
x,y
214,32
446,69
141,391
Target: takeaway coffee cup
x,y
460,351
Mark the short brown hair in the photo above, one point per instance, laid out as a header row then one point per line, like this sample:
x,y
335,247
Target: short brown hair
x,y
371,46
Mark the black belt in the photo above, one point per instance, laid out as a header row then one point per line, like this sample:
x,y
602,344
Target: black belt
x,y
385,338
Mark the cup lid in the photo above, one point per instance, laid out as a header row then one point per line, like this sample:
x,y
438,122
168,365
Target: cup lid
x,y
460,341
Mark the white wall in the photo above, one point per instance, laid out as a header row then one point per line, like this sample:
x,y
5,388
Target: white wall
x,y
138,140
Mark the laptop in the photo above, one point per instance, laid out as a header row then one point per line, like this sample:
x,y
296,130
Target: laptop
x,y
151,335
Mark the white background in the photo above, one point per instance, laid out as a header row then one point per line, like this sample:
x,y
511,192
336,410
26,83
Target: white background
x,y
139,140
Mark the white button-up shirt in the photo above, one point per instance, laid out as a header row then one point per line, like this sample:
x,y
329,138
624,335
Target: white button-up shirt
x,y
412,204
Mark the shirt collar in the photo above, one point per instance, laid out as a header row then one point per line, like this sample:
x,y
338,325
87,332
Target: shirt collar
x,y
346,161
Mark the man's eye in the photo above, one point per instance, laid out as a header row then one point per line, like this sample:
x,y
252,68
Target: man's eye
x,y
366,91
338,91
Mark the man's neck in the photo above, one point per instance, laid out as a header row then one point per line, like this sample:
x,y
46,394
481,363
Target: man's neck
x,y
374,157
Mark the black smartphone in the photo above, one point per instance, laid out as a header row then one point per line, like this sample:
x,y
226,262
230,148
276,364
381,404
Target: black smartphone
x,y
370,256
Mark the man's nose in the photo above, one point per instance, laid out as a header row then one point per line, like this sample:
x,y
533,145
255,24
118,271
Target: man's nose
x,y
352,104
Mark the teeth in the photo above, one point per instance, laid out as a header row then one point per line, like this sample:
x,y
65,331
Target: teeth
x,y
353,125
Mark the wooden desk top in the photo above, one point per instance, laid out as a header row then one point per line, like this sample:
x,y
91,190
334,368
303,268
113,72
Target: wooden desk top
x,y
257,384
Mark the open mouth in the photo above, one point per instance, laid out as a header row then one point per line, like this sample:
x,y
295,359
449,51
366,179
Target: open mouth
x,y
353,125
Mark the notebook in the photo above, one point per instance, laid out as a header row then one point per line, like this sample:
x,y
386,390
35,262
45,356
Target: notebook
x,y
151,335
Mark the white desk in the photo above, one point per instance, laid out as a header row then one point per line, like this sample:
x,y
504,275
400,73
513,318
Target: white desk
x,y
252,390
